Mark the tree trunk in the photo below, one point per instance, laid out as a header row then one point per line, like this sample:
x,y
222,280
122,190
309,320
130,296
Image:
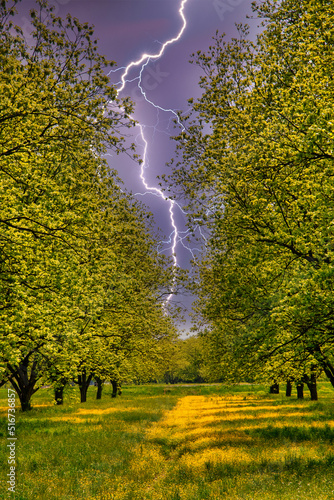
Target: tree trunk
x,y
274,389
24,382
300,390
329,371
59,392
312,385
99,387
84,381
59,395
313,390
288,388
25,398
114,388
324,362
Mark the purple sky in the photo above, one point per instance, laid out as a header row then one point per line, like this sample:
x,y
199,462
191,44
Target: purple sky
x,y
125,30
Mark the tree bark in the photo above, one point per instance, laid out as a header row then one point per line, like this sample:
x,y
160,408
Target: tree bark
x,y
288,390
324,362
24,382
114,388
312,385
59,392
300,390
99,387
59,395
84,381
313,390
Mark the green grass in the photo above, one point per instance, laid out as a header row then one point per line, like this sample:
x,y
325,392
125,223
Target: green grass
x,y
187,443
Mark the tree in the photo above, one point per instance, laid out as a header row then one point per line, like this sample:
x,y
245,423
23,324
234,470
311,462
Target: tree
x,y
78,262
126,315
257,166
183,361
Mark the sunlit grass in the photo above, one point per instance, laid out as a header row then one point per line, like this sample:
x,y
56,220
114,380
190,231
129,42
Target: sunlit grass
x,y
237,447
190,443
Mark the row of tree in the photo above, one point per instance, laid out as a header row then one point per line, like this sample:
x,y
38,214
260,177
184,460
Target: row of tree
x,y
82,287
179,361
257,164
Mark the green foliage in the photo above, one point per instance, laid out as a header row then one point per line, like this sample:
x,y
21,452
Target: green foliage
x,y
184,361
257,166
81,283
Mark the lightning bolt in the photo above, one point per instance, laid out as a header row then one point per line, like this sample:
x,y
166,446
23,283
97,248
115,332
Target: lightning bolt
x,y
141,63
145,57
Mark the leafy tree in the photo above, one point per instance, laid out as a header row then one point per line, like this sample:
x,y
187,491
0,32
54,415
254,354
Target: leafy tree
x,y
193,352
79,271
129,317
257,166
184,361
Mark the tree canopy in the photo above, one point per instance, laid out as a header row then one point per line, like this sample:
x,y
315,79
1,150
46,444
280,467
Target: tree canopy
x,y
81,282
256,163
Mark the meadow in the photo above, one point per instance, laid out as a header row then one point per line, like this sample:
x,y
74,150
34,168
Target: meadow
x,y
173,443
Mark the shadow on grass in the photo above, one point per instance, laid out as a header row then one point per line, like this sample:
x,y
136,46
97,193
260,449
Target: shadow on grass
x,y
269,437
292,466
294,434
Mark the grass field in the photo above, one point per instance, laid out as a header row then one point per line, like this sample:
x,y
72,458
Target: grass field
x,y
189,443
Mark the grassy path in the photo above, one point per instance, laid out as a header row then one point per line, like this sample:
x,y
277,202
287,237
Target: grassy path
x,y
243,447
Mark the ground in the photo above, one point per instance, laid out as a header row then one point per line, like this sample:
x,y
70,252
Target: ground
x,y
158,443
